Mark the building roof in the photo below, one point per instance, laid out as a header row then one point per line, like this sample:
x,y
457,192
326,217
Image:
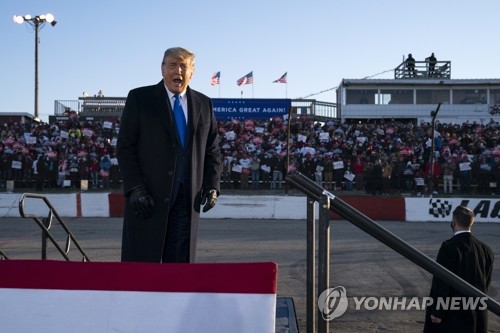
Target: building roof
x,y
419,82
16,114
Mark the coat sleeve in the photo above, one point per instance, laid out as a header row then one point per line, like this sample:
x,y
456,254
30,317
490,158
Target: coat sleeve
x,y
440,289
127,144
212,163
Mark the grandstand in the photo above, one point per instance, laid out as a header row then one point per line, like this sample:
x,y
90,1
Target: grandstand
x,y
108,108
408,97
18,117
412,96
374,119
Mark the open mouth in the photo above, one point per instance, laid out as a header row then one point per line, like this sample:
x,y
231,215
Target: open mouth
x,y
177,82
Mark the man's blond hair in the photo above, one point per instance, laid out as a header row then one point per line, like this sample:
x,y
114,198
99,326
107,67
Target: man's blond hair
x,y
464,216
179,52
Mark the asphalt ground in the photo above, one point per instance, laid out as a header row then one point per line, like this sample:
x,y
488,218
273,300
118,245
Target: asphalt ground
x,y
359,263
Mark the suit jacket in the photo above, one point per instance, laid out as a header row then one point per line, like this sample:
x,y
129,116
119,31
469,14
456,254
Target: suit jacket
x,y
148,154
472,260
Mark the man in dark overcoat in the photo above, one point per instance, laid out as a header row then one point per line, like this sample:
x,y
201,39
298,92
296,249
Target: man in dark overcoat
x,y
470,259
170,164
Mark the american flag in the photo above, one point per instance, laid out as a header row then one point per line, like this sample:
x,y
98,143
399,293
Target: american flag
x,y
247,79
215,79
282,79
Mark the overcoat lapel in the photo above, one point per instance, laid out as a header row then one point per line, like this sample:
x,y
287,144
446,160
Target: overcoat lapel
x,y
164,110
194,115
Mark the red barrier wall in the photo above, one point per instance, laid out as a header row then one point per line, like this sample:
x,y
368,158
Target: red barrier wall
x,y
376,207
116,204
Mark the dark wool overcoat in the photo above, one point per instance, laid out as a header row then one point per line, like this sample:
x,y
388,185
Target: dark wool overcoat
x,y
472,260
148,153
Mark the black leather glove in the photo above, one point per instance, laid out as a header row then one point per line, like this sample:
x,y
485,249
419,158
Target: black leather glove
x,y
209,199
142,203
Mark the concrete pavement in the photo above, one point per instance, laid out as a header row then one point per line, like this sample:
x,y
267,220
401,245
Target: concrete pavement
x,y
362,265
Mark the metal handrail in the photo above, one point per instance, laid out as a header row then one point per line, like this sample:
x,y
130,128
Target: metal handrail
x,y
328,201
422,70
46,223
3,256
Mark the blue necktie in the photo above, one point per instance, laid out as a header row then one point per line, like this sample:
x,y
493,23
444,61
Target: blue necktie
x,y
180,120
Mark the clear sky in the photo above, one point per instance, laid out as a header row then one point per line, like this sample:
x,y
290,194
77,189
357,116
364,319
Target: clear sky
x,y
114,46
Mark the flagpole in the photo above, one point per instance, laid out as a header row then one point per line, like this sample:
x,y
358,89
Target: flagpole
x,y
219,89
284,80
253,80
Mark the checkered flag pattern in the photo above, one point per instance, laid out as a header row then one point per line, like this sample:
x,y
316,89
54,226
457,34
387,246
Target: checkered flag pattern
x,y
439,208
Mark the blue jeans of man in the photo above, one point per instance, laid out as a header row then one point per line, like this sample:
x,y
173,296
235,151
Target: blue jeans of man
x,y
277,179
255,179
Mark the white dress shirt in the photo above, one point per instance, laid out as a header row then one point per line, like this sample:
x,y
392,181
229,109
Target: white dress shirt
x,y
182,99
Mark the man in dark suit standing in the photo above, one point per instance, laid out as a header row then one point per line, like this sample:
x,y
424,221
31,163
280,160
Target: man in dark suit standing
x,y
470,259
169,157
410,65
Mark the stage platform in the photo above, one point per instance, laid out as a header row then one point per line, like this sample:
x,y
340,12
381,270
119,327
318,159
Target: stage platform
x,y
142,297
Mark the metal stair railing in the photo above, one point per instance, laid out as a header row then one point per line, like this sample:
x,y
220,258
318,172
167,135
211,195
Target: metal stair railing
x,y
46,223
328,201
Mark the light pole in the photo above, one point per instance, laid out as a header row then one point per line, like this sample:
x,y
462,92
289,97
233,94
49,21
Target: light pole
x,y
36,23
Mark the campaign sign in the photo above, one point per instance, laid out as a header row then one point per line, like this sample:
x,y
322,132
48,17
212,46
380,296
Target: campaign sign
x,y
250,108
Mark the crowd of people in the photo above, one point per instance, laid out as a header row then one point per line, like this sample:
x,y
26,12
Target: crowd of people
x,y
54,155
378,157
384,157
